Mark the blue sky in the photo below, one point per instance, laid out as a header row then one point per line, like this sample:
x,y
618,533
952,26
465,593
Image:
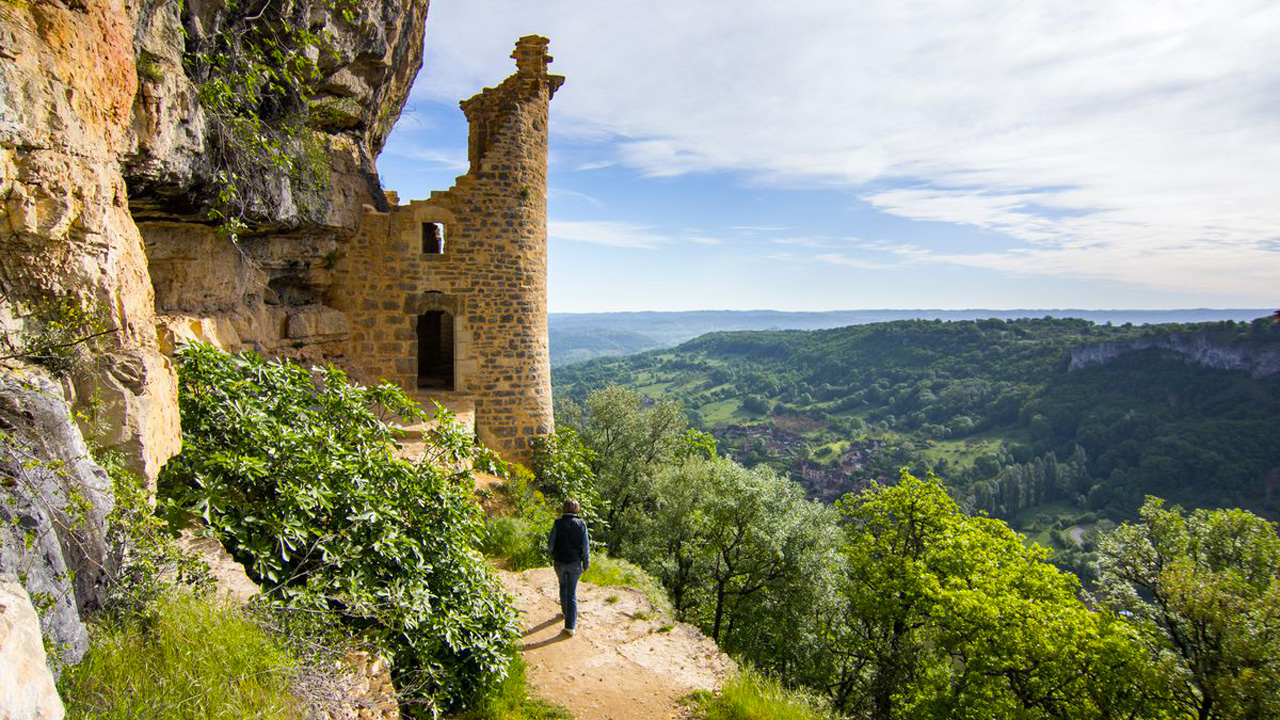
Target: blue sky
x,y
823,154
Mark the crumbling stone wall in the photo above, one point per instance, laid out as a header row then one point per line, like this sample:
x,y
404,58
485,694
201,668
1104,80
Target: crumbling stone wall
x,y
490,279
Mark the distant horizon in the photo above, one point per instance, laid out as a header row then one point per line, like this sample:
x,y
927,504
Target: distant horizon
x,y
584,335
1264,310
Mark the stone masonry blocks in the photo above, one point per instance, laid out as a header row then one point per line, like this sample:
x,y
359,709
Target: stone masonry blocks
x,y
490,276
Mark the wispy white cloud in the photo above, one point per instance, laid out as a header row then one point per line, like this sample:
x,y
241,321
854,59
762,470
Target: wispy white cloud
x,y
608,233
854,262
595,165
574,194
704,240
446,158
808,242
758,228
1130,141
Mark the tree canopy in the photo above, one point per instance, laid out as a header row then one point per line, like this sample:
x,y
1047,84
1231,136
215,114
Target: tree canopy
x,y
1204,588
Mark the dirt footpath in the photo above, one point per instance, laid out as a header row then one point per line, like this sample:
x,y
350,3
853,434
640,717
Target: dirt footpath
x,y
627,661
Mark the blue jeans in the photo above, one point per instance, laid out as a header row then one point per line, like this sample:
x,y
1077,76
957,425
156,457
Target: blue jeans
x,y
568,574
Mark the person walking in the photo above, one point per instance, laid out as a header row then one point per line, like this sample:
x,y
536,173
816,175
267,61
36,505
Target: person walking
x,y
570,549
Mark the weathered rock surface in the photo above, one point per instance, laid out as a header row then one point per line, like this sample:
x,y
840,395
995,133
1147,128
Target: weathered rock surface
x,y
27,690
265,293
104,142
361,689
1202,348
375,50
230,580
53,506
67,84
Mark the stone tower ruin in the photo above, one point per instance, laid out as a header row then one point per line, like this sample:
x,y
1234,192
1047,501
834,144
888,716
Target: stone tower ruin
x,y
446,297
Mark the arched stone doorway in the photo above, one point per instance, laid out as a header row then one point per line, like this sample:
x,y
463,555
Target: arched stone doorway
x,y
436,340
435,350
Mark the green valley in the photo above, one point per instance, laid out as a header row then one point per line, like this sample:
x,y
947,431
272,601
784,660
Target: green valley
x,y
1050,424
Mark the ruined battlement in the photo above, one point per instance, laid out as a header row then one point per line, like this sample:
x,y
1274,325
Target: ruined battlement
x,y
446,297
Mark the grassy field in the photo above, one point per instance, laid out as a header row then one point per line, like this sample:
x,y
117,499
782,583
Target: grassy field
x,y
724,412
962,453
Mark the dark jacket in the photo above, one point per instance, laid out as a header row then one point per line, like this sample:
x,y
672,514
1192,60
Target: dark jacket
x,y
569,542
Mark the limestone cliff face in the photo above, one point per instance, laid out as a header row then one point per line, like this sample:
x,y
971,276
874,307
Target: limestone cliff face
x,y
27,689
105,185
67,85
1202,348
267,292
371,55
53,506
106,180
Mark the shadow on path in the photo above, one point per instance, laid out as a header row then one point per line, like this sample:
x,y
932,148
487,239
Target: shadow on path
x,y
558,637
542,626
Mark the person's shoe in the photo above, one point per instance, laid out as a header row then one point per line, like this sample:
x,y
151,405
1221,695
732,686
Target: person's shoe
x,y
569,631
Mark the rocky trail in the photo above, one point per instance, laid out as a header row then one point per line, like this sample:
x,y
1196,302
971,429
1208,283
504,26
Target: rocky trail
x,y
628,661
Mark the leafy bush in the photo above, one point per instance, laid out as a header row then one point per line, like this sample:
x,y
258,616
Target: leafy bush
x,y
522,541
151,562
297,474
157,667
147,561
752,696
518,532
562,464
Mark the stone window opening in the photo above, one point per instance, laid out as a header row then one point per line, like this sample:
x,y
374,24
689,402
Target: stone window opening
x,y
435,350
432,238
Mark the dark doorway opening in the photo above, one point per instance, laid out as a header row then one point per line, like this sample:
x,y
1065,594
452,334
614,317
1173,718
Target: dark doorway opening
x,y
433,238
435,350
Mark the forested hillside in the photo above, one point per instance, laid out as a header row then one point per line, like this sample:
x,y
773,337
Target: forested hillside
x,y
576,337
991,406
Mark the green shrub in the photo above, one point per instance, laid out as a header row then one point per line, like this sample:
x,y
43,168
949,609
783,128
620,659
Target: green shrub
x,y
562,465
147,561
522,542
297,474
614,572
189,657
752,696
519,538
151,562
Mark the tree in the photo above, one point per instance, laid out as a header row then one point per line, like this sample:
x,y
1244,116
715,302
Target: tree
x,y
1204,589
950,616
744,555
629,443
562,464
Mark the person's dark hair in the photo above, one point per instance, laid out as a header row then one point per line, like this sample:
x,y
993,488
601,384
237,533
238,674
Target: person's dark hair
x,y
570,506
